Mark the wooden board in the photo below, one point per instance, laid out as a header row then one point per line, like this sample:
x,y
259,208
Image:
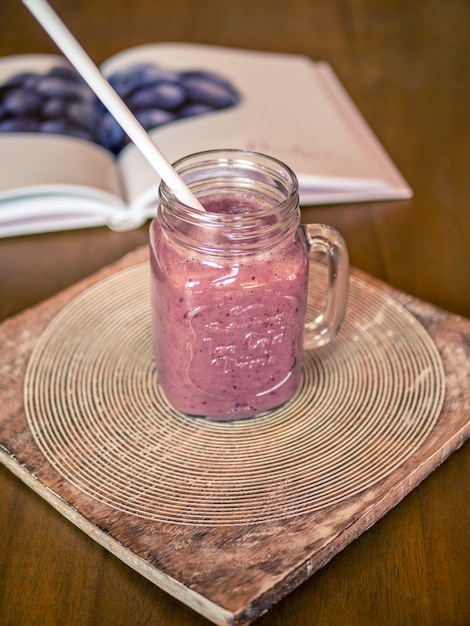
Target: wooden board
x,y
229,569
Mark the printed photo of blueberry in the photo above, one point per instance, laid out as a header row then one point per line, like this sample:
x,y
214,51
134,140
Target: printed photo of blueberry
x,y
55,102
59,102
158,96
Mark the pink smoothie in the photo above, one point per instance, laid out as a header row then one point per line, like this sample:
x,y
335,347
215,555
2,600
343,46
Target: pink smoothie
x,y
228,332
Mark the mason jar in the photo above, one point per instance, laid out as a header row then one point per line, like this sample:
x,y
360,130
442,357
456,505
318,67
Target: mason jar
x,y
229,286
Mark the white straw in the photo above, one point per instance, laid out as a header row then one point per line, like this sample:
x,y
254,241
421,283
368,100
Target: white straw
x,y
64,39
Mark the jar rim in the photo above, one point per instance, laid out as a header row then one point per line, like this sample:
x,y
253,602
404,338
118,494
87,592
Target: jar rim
x,y
246,174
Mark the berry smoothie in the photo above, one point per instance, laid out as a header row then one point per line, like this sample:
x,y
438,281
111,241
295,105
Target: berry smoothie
x,y
228,330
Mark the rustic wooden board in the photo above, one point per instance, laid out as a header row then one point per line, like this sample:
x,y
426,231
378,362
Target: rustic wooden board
x,y
230,573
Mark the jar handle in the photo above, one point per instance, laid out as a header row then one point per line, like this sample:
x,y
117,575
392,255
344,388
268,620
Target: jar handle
x,y
327,241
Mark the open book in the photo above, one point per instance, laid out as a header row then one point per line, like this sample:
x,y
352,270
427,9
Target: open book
x,y
67,164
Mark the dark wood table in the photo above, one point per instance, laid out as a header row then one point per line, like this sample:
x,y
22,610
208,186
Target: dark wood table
x,y
405,63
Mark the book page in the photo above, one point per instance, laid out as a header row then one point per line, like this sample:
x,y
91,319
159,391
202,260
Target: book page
x,y
32,161
48,151
287,108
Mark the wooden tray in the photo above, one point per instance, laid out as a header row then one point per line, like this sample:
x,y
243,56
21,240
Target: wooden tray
x,y
227,518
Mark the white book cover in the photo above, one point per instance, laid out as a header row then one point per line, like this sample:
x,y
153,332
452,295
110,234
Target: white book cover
x,y
67,164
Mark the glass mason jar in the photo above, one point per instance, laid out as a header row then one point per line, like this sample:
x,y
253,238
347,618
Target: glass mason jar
x,y
229,286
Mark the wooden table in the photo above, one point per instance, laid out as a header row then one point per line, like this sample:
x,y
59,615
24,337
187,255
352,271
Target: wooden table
x,y
406,66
